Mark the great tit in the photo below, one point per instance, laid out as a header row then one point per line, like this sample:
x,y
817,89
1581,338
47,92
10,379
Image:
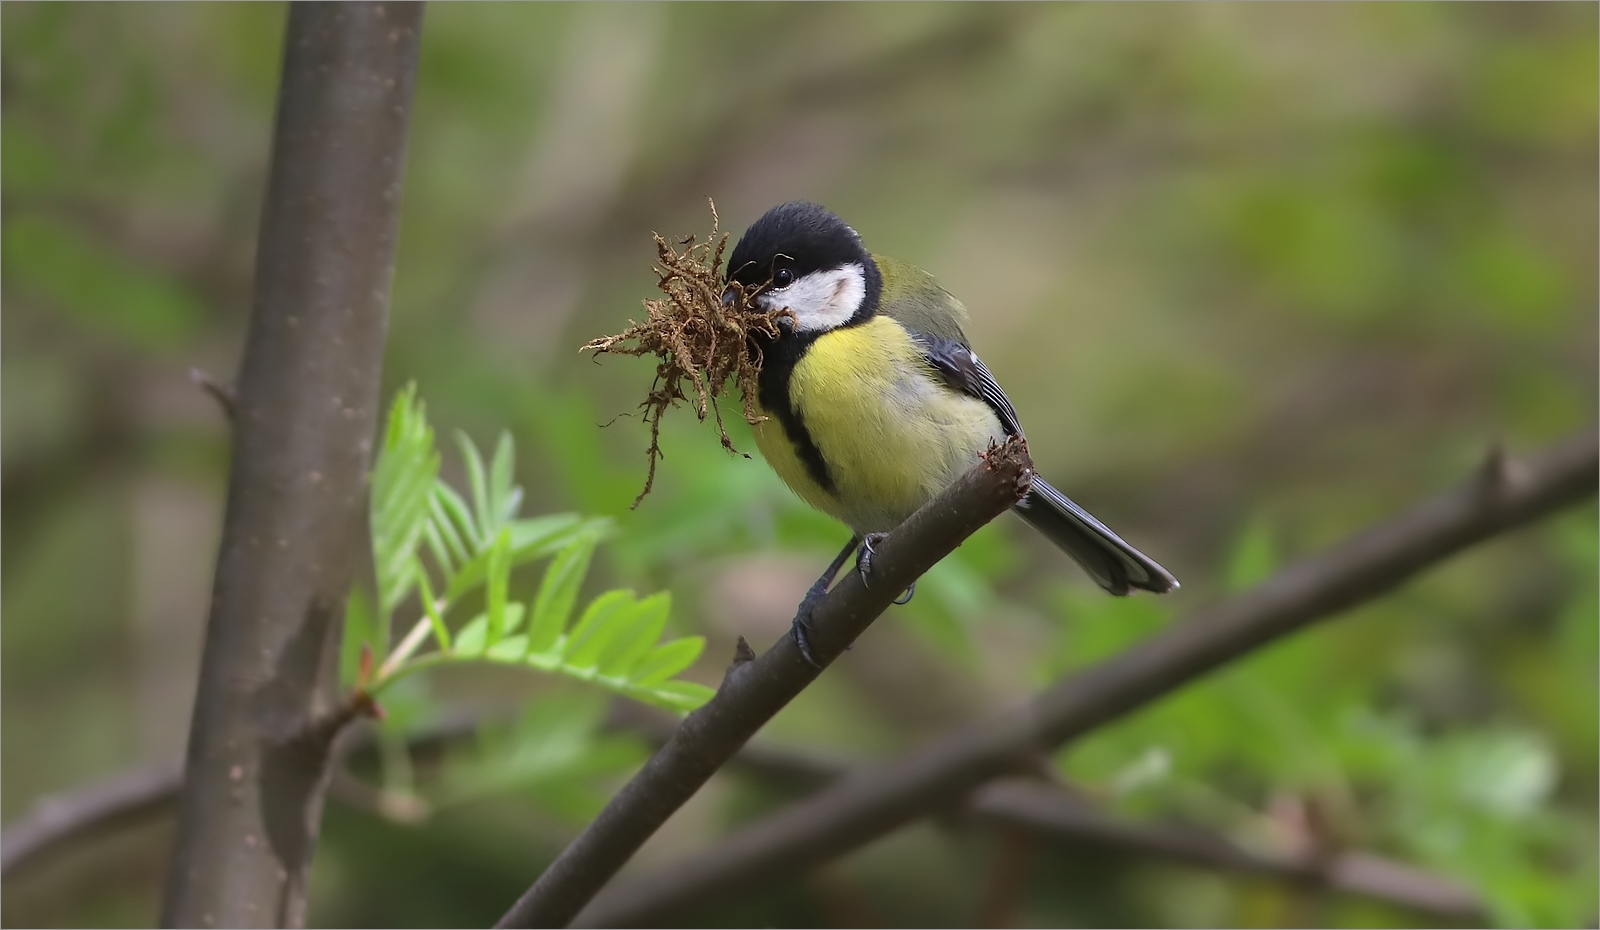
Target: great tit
x,y
874,401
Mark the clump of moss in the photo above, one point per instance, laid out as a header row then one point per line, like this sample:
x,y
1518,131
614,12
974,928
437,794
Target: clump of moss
x,y
695,336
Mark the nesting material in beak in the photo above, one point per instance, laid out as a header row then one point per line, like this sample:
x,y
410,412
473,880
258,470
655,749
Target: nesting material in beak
x,y
700,331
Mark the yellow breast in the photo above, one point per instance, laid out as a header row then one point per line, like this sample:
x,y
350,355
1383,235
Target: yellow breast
x,y
891,434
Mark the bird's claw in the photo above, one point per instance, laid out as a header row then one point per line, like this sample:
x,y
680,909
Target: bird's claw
x,y
864,565
864,557
802,619
798,631
801,626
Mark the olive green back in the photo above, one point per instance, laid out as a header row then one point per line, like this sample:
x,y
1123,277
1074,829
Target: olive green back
x,y
913,297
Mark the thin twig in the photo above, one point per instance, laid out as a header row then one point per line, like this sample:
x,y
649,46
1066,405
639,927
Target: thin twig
x,y
753,691
868,805
1048,811
56,821
219,392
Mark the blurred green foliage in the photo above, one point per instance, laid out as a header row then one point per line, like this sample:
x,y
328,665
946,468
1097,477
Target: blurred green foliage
x,y
1254,276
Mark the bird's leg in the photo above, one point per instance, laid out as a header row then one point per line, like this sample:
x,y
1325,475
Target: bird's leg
x,y
864,565
814,595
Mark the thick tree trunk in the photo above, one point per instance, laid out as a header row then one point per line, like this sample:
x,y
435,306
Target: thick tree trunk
x,y
304,419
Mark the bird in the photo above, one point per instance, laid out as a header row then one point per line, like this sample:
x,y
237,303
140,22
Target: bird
x,y
871,400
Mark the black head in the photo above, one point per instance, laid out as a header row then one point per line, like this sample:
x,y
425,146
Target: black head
x,y
805,253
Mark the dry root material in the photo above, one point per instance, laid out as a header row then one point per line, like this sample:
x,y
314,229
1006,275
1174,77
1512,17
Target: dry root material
x,y
695,337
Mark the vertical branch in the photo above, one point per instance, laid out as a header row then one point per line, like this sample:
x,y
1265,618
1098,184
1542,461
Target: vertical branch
x,y
305,413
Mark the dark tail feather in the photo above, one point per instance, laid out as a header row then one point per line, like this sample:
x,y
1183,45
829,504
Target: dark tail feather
x,y
1112,563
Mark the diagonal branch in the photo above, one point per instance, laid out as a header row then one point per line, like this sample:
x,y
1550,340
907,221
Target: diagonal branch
x,y
1503,496
1057,812
755,689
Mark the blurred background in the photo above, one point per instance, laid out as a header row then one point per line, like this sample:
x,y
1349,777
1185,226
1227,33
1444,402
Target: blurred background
x,y
1253,275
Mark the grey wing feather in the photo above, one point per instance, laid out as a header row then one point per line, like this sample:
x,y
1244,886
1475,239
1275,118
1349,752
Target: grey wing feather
x,y
961,370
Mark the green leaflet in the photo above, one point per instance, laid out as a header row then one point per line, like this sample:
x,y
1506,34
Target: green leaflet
x,y
473,639
638,628
596,629
681,696
530,540
497,580
456,516
503,498
479,484
668,659
613,644
430,605
558,594
402,480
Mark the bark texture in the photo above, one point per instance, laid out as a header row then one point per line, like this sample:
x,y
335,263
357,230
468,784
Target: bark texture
x,y
305,410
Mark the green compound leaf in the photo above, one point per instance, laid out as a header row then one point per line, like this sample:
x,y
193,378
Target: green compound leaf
x,y
430,606
609,617
451,515
509,649
504,499
435,540
530,540
559,592
538,537
674,695
402,482
612,645
637,632
473,639
479,482
497,579
596,629
667,660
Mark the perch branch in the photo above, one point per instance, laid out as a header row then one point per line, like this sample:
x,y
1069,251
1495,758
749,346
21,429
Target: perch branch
x,y
1504,495
754,690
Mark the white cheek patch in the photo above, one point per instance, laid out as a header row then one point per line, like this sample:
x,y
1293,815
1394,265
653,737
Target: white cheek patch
x,y
821,300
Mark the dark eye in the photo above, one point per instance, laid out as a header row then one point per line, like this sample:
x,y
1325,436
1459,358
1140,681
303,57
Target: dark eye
x,y
783,277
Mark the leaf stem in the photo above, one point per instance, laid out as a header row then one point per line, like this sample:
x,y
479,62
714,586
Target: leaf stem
x,y
414,639
416,665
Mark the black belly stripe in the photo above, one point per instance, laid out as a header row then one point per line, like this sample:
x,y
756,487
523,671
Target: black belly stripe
x,y
777,366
